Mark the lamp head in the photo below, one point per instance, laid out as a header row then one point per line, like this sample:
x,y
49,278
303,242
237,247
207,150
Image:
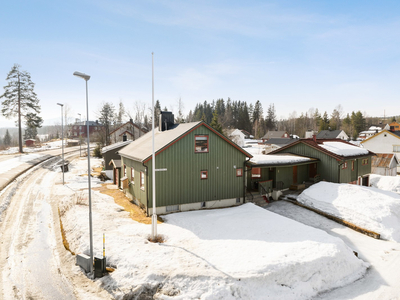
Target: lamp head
x,y
60,104
82,75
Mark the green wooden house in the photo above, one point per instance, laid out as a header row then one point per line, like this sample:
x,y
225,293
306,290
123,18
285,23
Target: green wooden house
x,y
196,167
339,161
269,173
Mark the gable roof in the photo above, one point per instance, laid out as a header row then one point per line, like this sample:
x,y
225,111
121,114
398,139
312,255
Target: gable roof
x,y
328,134
393,133
336,148
275,134
115,146
142,148
129,122
280,141
383,160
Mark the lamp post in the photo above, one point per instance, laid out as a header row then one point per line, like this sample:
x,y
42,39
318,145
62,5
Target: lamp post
x,y
80,136
86,78
62,138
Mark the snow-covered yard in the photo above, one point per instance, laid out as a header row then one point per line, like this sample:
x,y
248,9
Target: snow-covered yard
x,y
243,252
367,207
43,147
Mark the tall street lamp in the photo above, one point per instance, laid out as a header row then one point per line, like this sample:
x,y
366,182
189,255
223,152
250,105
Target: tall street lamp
x,y
87,77
62,139
80,136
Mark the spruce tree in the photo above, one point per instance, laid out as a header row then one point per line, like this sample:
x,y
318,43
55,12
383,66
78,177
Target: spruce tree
x,y
214,122
32,122
107,118
19,98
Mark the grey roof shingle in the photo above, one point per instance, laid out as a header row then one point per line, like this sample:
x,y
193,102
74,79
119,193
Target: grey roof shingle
x,y
328,134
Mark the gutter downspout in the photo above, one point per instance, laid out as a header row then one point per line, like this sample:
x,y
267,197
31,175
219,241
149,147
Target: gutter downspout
x,y
147,190
244,180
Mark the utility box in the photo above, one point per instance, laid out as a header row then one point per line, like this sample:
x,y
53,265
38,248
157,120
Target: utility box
x,y
99,267
64,167
83,261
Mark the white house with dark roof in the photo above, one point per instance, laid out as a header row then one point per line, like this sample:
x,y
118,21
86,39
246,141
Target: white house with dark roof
x,y
384,142
333,134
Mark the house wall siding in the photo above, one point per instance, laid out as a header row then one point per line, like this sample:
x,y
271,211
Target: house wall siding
x,y
180,182
324,168
134,190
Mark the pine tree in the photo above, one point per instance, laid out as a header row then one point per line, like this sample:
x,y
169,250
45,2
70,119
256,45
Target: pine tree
x,y
270,120
214,123
107,118
7,139
19,98
324,123
32,122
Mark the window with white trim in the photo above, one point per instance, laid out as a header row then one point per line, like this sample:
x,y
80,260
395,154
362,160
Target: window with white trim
x,y
396,148
203,175
239,172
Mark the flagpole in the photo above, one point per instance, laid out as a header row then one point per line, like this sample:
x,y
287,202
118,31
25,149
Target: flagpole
x,y
153,158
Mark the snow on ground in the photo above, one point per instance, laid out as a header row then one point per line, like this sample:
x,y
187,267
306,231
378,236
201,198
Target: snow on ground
x,y
45,146
387,183
369,208
244,252
14,162
343,149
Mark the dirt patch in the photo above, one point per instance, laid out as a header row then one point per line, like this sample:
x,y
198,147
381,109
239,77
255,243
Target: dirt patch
x,y
135,212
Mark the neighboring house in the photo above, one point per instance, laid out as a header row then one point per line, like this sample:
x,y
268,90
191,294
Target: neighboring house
x,y
79,129
270,174
370,132
340,161
130,130
196,167
30,143
332,134
275,134
394,126
385,164
384,142
239,136
111,152
274,143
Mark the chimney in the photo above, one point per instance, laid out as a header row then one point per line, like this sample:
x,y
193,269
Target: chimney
x,y
314,137
131,120
166,120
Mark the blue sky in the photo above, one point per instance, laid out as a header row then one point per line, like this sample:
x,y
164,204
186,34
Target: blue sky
x,y
295,54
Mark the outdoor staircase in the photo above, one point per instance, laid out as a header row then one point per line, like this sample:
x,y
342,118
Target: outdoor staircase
x,y
257,199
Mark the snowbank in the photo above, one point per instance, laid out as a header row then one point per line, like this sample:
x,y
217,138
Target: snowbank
x,y
369,208
244,252
387,183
